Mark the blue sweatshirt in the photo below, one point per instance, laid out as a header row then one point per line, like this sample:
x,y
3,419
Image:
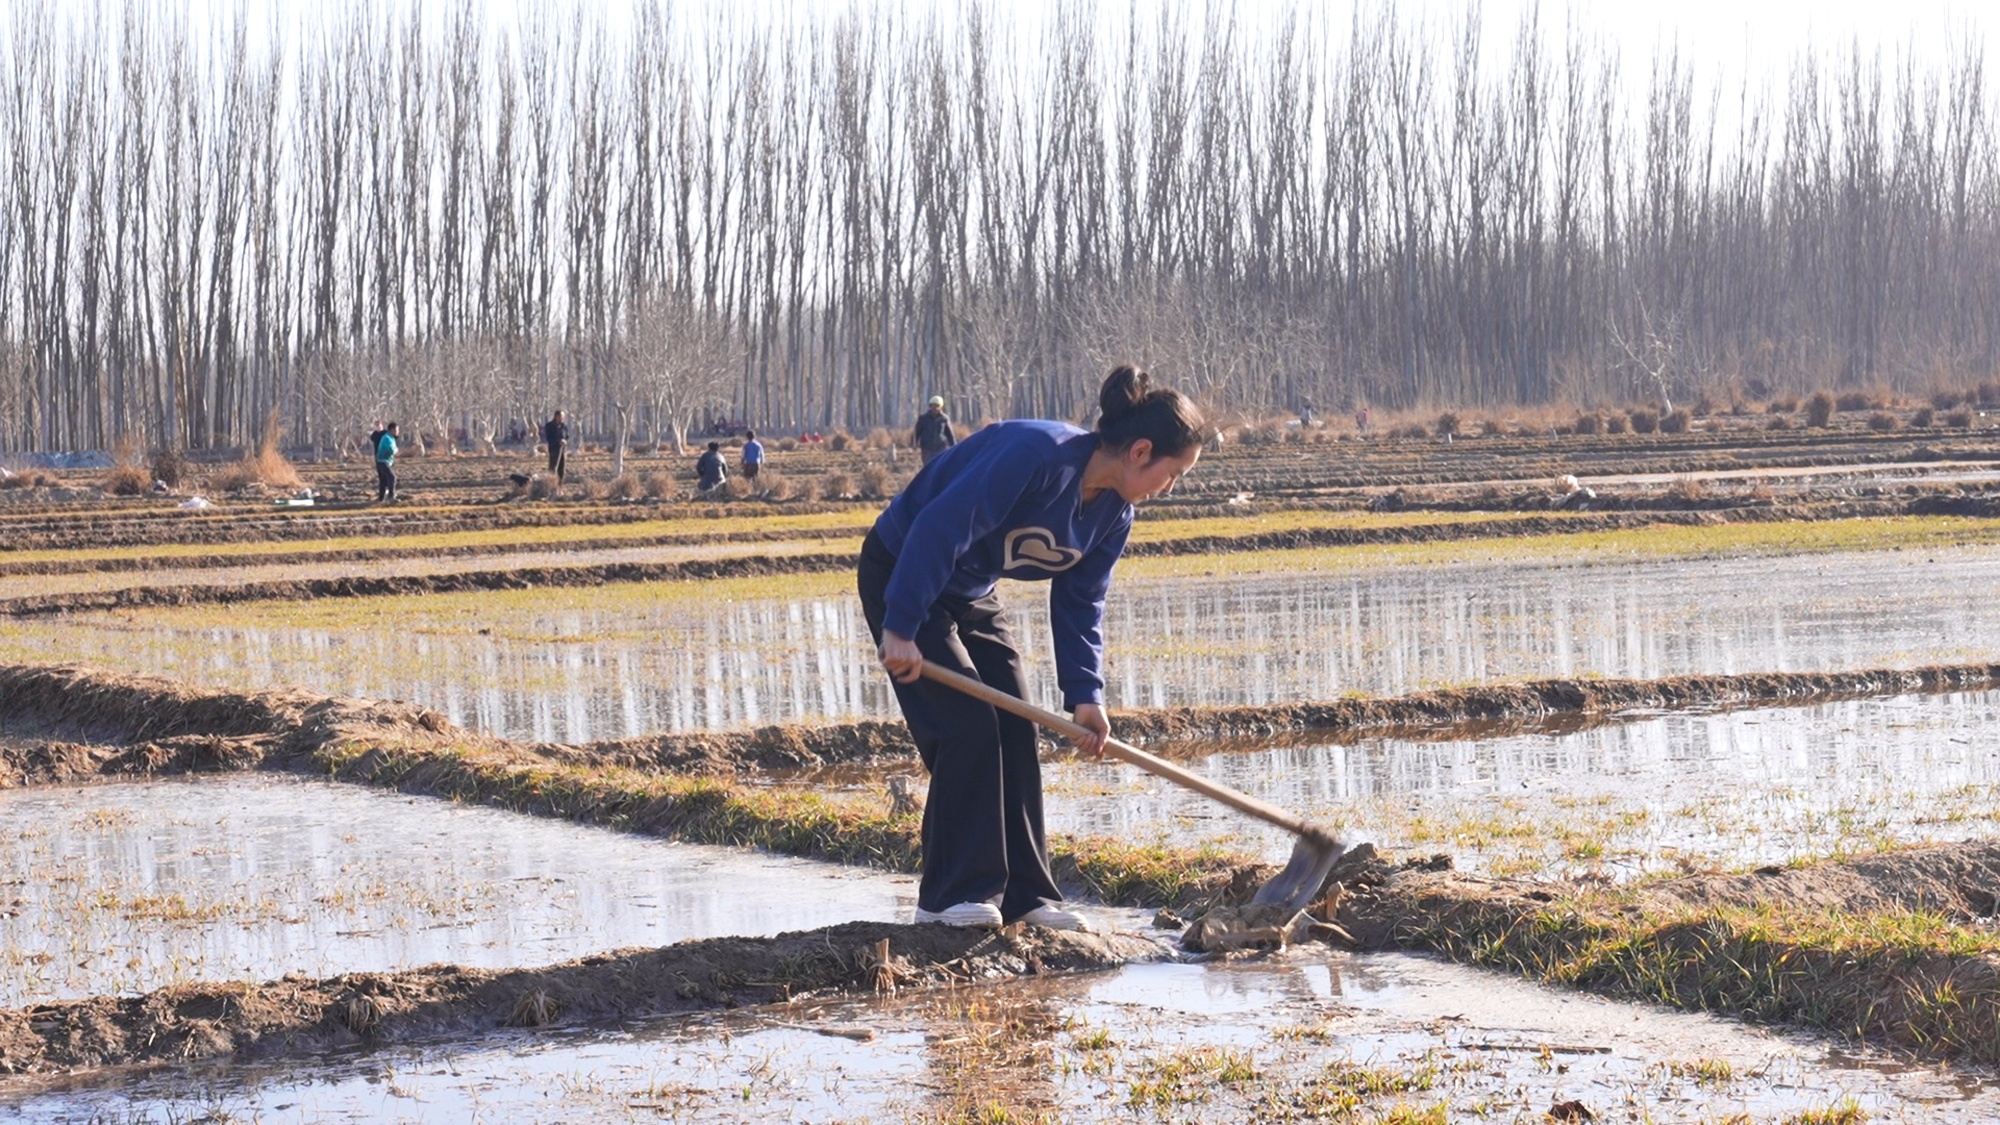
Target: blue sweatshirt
x,y
385,449
1007,502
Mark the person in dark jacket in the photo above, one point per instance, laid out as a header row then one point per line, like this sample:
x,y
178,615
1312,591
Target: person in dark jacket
x,y
386,445
709,470
555,434
933,430
1026,500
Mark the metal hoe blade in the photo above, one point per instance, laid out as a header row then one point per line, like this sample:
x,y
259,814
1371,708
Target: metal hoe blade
x,y
1312,861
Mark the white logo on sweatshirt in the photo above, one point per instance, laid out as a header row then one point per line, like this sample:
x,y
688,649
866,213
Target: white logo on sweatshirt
x,y
1037,547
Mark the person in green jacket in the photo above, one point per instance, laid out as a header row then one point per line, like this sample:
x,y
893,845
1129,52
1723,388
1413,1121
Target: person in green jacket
x,y
385,464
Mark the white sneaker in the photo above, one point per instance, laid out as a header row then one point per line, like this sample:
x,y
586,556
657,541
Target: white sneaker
x,y
1056,918
983,915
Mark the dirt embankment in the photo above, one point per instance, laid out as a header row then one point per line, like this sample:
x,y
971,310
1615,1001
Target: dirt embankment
x,y
1894,948
368,586
107,724
297,1015
1429,714
70,529
519,578
140,563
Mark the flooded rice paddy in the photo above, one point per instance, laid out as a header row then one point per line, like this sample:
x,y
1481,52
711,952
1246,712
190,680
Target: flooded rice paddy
x,y
128,887
1193,1043
580,664
1667,792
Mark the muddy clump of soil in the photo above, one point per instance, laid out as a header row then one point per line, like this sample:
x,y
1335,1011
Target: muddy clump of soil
x,y
298,1015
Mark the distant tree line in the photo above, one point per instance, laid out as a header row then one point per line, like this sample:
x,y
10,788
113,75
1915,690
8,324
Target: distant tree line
x,y
816,223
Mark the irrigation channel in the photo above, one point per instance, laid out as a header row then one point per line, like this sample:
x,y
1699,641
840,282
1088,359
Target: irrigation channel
x,y
575,665
1149,1042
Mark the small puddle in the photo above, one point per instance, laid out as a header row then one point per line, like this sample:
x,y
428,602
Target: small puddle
x,y
578,665
126,888
1730,789
1142,1043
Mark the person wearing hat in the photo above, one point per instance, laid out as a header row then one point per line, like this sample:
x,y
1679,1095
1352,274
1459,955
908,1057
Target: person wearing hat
x,y
934,434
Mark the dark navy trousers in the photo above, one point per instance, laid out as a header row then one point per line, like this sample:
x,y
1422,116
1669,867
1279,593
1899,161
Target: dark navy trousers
x,y
982,837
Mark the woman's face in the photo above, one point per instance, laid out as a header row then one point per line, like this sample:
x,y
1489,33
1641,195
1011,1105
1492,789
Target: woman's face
x,y
1141,476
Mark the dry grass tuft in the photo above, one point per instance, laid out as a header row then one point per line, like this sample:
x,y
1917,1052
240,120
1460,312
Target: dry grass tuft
x,y
1644,421
1819,410
1924,418
840,441
625,486
1959,419
1883,422
543,486
535,1009
1677,422
662,486
1590,424
735,488
1447,425
127,480
360,1014
840,486
877,483
879,438
169,466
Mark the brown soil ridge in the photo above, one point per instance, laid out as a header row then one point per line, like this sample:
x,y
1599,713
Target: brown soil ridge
x,y
82,704
601,574
373,586
161,526
140,563
1431,714
1892,948
299,1015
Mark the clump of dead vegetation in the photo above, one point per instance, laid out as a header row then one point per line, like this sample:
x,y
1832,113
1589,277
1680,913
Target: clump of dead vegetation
x,y
265,466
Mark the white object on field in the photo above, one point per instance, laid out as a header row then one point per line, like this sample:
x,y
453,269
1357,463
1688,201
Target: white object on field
x,y
195,504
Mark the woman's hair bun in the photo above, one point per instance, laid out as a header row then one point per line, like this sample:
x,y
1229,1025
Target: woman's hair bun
x,y
1131,408
1123,392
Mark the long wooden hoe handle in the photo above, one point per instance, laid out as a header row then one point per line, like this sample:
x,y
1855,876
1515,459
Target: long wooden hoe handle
x,y
1159,767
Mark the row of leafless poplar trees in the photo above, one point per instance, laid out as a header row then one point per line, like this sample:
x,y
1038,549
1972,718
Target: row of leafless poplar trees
x,y
816,222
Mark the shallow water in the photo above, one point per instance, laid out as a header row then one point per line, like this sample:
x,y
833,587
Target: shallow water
x,y
130,887
1480,1038
577,665
1729,790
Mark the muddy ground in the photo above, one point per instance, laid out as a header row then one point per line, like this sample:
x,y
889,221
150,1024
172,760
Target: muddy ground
x,y
1895,948
297,1015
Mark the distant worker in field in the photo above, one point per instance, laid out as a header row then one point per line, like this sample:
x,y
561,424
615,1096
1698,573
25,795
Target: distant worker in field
x,y
555,434
708,470
385,463
753,455
1027,500
934,434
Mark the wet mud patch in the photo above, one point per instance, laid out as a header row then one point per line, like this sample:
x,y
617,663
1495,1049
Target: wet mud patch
x,y
296,1015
